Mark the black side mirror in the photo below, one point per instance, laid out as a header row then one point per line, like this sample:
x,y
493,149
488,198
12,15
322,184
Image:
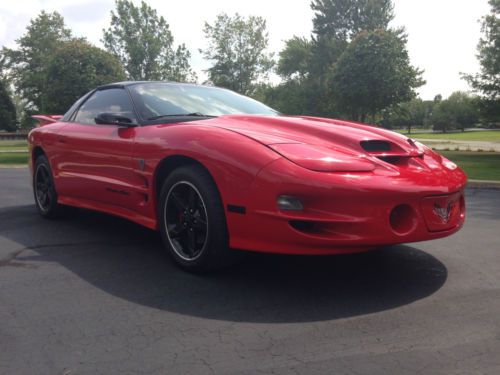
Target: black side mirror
x,y
114,119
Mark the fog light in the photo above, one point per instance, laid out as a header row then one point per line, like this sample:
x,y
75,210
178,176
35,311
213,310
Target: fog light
x,y
287,203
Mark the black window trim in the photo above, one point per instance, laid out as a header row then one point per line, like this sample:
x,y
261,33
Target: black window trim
x,y
71,118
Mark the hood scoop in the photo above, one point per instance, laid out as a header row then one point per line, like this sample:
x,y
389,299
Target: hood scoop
x,y
376,146
390,152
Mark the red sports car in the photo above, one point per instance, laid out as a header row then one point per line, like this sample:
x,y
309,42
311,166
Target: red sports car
x,y
213,171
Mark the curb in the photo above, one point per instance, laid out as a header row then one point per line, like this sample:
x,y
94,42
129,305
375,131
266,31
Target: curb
x,y
483,184
14,166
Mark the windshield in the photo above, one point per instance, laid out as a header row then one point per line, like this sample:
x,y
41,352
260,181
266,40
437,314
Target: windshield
x,y
155,100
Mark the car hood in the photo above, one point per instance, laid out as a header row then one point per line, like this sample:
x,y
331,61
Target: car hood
x,y
345,135
324,144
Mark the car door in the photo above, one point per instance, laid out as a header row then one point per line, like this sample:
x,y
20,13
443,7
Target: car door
x,y
96,164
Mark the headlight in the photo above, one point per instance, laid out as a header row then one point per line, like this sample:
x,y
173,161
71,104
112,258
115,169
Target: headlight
x,y
323,159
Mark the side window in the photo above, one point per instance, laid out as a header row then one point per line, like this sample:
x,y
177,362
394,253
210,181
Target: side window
x,y
114,101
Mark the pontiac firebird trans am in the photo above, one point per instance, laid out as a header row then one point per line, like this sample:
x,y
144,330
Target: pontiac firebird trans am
x,y
213,171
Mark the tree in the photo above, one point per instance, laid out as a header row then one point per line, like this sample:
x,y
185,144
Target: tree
x,y
465,109
7,110
374,73
344,19
487,82
144,44
237,46
354,65
459,111
301,65
295,98
335,24
311,62
28,63
415,113
4,75
295,59
77,67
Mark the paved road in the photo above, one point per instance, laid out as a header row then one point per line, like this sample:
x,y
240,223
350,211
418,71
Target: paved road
x,y
97,295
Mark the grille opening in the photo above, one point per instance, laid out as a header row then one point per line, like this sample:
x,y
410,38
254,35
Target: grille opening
x,y
376,146
315,228
303,226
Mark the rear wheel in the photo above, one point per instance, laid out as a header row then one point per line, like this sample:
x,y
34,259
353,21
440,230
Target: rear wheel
x,y
44,189
192,220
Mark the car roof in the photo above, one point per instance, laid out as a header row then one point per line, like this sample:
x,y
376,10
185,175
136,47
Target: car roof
x,y
132,83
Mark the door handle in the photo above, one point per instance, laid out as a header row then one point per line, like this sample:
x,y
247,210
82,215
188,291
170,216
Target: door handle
x,y
61,139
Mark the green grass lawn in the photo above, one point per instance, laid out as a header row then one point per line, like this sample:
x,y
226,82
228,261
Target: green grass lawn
x,y
477,165
14,158
484,136
13,145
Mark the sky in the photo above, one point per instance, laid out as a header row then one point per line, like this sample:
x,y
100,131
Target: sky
x,y
442,34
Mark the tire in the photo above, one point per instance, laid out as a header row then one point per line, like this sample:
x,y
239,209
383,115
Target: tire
x,y
44,190
192,220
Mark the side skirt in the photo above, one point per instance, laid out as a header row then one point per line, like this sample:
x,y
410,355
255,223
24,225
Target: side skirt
x,y
110,209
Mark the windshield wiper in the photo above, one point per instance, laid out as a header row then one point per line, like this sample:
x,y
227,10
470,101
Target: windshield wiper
x,y
194,114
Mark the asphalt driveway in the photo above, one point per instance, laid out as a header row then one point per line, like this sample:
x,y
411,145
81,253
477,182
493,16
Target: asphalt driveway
x,y
93,294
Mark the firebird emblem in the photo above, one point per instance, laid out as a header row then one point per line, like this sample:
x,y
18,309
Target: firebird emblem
x,y
444,213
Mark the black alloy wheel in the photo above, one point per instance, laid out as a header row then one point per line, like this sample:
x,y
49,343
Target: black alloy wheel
x,y
186,220
44,190
192,220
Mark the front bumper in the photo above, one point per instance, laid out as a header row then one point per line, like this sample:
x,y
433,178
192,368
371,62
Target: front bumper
x,y
345,212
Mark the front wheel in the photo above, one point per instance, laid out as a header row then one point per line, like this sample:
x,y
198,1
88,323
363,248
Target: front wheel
x,y
192,220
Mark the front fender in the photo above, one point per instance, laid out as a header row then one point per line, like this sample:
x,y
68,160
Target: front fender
x,y
232,159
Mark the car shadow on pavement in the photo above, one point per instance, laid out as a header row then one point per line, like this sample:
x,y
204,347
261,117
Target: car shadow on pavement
x,y
128,261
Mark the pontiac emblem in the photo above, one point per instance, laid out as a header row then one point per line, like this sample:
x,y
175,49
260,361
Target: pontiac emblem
x,y
444,213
